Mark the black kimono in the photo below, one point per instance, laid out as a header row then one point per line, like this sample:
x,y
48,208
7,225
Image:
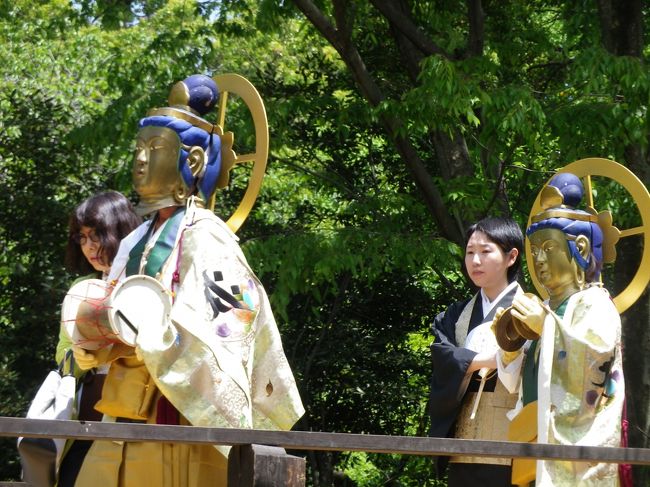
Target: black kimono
x,y
450,383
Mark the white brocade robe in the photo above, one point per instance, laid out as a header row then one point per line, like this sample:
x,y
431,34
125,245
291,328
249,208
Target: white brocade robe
x,y
227,370
221,366
581,388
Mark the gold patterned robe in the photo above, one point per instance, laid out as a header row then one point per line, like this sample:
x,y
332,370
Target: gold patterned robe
x,y
219,365
580,387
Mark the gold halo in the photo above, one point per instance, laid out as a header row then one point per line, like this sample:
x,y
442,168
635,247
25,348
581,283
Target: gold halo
x,y
595,166
240,86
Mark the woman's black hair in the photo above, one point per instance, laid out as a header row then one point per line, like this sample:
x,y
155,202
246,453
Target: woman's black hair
x,y
110,214
506,234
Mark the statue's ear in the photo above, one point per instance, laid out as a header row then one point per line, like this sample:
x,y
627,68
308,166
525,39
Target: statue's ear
x,y
196,160
583,245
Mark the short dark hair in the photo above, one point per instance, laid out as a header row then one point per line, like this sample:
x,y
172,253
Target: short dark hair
x,y
506,233
110,214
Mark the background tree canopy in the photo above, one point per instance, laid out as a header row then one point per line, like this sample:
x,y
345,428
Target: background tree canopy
x,y
394,124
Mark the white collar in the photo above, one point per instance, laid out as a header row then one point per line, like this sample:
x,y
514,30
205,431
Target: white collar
x,y
488,305
122,257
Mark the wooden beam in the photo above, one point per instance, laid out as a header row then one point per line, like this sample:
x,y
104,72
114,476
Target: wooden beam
x,y
262,466
307,440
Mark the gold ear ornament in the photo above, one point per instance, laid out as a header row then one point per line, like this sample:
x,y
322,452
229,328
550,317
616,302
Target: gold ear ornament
x,y
196,160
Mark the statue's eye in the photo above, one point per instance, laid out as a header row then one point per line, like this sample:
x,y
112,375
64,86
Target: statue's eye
x,y
157,144
549,246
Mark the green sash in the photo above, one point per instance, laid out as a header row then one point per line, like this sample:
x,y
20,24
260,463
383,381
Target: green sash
x,y
160,251
531,365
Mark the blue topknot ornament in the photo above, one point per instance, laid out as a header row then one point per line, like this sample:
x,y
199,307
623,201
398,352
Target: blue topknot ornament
x,y
203,93
198,92
571,188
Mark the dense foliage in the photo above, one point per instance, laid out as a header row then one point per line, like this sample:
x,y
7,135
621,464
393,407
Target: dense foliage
x,y
393,126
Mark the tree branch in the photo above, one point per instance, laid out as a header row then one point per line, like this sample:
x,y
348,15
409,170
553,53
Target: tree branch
x,y
344,47
344,19
621,26
411,56
371,92
408,28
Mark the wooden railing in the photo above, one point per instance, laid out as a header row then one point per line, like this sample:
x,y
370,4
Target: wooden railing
x,y
260,450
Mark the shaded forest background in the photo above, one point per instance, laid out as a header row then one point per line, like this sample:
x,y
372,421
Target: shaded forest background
x,y
394,124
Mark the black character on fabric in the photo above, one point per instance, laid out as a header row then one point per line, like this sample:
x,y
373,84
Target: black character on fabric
x,y
605,369
220,300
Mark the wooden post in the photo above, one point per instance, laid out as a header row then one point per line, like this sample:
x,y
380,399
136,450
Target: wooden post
x,y
264,466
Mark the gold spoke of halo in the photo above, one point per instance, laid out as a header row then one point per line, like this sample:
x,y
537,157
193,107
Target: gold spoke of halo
x,y
240,86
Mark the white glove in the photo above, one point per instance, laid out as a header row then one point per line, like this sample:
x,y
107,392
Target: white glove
x,y
84,359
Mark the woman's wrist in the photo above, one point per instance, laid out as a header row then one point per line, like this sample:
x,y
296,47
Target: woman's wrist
x,y
483,360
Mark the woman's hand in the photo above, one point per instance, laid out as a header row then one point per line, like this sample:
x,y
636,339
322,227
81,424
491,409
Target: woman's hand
x,y
483,360
530,311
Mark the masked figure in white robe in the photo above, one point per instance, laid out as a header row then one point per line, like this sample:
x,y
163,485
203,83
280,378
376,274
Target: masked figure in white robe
x,y
570,378
216,359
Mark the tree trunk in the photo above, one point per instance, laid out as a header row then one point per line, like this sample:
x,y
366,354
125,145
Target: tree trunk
x,y
622,35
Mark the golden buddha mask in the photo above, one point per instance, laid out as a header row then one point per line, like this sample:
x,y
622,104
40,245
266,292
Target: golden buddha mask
x,y
155,174
553,263
177,153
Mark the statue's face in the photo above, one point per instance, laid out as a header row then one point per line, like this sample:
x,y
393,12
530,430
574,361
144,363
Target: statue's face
x,y
155,165
554,266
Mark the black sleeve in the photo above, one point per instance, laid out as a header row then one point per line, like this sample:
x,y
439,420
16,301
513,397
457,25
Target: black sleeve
x,y
450,364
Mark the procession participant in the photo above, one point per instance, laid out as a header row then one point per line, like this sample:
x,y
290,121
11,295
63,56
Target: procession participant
x,y
492,260
218,360
95,230
573,374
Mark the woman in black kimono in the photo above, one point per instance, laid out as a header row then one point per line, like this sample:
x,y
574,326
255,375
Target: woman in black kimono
x,y
492,259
